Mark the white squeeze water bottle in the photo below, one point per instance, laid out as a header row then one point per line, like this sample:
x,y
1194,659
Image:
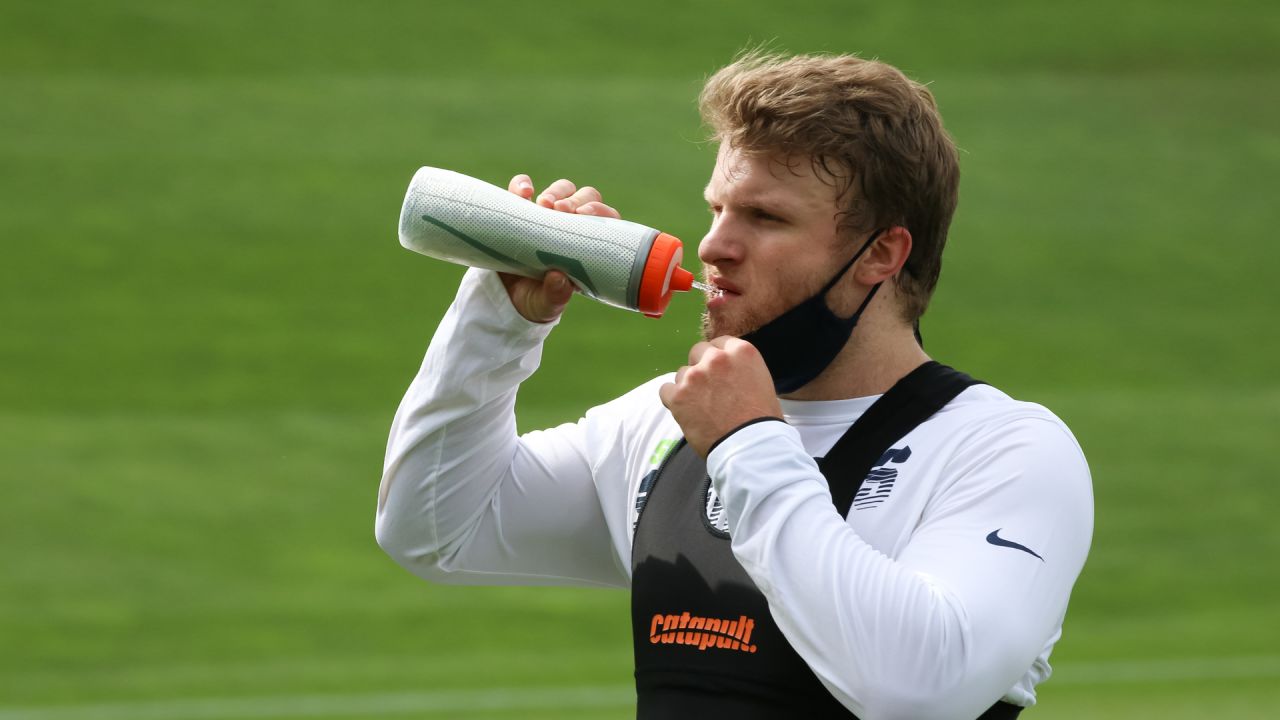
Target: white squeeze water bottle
x,y
454,217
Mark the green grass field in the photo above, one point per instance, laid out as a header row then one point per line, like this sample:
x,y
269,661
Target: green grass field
x,y
207,323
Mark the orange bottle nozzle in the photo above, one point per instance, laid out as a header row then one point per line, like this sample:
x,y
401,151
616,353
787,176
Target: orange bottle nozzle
x,y
662,276
681,280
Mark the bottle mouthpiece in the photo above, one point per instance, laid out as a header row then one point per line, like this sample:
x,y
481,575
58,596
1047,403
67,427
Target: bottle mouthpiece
x,y
681,280
663,275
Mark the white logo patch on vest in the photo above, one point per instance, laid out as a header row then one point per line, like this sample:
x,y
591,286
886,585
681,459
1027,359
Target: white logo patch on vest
x,y
715,511
879,482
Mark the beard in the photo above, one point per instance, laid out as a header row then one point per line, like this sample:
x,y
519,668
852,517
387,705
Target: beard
x,y
743,320
741,323
716,327
709,328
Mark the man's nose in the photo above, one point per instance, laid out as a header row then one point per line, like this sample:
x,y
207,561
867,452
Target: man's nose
x,y
718,246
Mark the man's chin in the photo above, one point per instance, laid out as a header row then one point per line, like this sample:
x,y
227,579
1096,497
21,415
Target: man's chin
x,y
713,327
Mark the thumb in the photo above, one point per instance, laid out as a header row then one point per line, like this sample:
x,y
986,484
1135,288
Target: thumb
x,y
545,301
557,289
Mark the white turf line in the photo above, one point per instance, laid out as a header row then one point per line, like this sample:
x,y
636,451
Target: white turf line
x,y
363,705
567,698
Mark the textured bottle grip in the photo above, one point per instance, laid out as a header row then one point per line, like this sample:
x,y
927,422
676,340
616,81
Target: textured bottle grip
x,y
463,220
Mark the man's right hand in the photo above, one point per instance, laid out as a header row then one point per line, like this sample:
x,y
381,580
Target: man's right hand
x,y
543,299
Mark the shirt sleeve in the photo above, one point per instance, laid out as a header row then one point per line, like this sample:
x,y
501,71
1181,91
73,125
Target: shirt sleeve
x,y
463,499
953,622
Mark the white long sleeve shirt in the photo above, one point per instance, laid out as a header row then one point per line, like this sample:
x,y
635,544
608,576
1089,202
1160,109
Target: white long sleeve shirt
x,y
943,590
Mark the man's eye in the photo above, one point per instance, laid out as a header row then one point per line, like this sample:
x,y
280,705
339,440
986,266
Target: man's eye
x,y
767,216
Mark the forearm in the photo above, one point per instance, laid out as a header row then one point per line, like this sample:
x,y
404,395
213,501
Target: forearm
x,y
901,637
453,454
454,432
840,603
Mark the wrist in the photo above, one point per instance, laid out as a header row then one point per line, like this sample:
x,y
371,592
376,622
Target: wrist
x,y
504,308
742,426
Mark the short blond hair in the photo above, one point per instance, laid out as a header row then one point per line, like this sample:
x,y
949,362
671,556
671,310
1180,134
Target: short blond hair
x,y
862,123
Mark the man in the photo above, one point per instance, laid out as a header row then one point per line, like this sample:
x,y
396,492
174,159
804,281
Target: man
x,y
920,568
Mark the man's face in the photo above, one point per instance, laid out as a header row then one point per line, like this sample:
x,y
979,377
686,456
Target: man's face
x,y
773,240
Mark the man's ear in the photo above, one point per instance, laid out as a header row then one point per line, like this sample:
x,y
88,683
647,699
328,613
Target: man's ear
x,y
886,256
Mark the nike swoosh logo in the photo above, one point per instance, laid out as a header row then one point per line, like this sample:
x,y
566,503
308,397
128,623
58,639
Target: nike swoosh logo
x,y
510,261
995,539
570,266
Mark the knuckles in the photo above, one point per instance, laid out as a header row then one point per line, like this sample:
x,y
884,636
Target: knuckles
x,y
695,375
733,352
697,351
742,349
717,359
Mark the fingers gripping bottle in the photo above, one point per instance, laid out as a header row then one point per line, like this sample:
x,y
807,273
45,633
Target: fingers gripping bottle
x,y
453,217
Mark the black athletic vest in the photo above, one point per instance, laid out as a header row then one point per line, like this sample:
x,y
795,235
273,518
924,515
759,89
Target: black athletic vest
x,y
705,643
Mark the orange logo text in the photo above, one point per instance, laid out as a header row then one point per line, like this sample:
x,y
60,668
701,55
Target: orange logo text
x,y
703,632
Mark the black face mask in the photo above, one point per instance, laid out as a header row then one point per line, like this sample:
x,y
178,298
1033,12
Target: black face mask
x,y
801,342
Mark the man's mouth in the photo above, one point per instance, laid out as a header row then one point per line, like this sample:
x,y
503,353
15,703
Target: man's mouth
x,y
720,287
720,291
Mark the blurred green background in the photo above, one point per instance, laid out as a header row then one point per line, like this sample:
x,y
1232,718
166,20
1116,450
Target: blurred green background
x,y
206,324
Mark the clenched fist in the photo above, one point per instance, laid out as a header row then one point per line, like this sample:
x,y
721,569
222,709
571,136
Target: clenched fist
x,y
725,385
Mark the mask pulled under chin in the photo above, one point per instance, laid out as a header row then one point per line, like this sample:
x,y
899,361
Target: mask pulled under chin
x,y
801,342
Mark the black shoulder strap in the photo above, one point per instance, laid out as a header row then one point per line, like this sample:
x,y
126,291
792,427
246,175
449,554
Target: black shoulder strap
x,y
914,399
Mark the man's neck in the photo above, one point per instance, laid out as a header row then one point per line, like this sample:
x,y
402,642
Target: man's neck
x,y
881,352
